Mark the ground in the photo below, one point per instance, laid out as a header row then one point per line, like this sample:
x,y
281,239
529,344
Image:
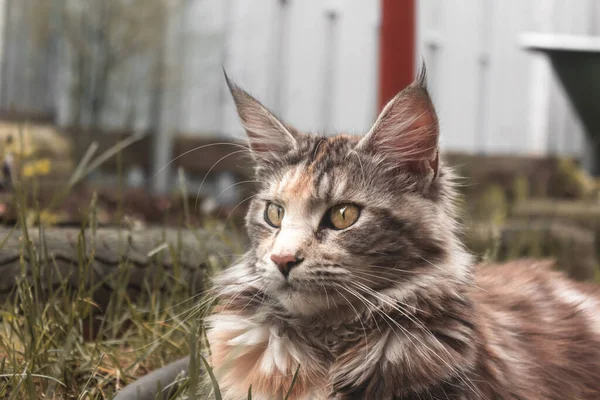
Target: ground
x,y
60,339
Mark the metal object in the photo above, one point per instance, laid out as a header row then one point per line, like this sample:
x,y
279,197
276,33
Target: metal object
x,y
159,381
576,61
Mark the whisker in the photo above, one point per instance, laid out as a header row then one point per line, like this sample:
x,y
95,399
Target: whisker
x,y
390,268
239,292
362,170
239,204
383,296
192,150
194,297
326,296
427,331
360,321
261,291
403,329
235,184
208,173
379,277
472,283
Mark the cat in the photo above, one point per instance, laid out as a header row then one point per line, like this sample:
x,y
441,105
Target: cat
x,y
357,280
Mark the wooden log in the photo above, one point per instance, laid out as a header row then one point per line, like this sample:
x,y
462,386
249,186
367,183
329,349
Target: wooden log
x,y
107,260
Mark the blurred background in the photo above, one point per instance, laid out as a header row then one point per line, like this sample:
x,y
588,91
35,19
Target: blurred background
x,y
123,185
111,101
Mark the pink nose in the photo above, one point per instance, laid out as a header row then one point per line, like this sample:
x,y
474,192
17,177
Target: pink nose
x,y
285,262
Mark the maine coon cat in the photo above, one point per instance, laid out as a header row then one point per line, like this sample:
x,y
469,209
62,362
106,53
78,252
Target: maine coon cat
x,y
357,276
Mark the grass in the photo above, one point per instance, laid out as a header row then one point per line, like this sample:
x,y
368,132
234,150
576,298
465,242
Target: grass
x,y
55,343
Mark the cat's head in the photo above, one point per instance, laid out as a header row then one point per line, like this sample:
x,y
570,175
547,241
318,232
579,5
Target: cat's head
x,y
342,216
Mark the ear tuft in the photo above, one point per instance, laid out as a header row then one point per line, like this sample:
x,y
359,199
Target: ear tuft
x,y
269,137
407,130
421,79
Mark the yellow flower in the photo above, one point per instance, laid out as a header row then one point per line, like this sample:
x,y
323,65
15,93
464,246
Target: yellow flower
x,y
48,218
36,168
45,217
28,171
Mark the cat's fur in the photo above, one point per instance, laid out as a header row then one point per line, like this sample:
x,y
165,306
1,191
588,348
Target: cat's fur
x,y
391,307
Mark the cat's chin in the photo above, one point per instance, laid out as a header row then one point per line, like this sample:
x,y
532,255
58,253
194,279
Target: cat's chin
x,y
301,298
301,302
301,306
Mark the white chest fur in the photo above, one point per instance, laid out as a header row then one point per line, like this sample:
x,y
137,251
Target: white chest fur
x,y
245,352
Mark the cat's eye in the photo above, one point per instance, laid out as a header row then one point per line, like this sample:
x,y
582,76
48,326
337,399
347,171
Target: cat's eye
x,y
342,216
274,215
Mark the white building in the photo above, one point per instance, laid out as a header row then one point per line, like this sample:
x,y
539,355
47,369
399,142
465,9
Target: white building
x,y
316,64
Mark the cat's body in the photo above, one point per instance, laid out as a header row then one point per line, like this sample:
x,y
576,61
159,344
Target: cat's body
x,y
356,275
522,331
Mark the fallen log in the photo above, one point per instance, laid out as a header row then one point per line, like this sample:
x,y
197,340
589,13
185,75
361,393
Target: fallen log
x,y
106,260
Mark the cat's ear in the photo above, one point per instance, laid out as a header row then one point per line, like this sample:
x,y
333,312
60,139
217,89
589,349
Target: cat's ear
x,y
267,135
406,132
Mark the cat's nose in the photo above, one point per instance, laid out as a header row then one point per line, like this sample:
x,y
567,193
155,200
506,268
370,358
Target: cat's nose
x,y
285,262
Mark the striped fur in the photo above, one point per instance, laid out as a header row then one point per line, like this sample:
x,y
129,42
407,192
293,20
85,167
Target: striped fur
x,y
391,307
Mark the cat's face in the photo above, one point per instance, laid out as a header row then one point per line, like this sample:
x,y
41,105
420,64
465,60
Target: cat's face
x,y
340,217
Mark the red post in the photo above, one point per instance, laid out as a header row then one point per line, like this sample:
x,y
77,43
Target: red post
x,y
396,48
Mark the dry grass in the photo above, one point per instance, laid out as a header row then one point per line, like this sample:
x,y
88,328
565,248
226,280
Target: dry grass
x,y
56,344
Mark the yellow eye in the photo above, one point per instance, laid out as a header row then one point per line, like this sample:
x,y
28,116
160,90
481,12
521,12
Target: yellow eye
x,y
342,216
274,215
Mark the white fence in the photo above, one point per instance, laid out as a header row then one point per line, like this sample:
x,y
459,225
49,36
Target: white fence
x,y
314,62
492,96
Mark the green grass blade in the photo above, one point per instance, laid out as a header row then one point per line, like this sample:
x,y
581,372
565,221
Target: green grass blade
x,y
213,379
83,163
289,392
